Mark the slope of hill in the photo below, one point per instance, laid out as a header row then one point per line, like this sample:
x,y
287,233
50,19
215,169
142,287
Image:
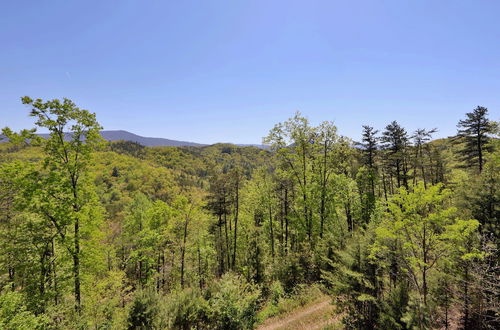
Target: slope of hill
x,y
121,135
145,141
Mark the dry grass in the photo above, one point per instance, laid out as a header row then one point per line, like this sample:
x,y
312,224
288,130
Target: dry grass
x,y
319,314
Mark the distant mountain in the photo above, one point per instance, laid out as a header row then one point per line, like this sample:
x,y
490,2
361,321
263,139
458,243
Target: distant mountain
x,y
151,141
260,146
146,141
127,136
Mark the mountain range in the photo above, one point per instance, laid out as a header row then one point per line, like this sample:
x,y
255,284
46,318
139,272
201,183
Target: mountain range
x,y
116,135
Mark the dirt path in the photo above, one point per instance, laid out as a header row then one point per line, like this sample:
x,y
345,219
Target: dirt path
x,y
315,316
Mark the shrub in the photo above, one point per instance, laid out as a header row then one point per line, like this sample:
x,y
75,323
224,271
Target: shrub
x,y
145,309
289,271
276,292
233,303
185,309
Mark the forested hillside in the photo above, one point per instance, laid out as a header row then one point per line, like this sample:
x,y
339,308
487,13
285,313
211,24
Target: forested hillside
x,y
401,230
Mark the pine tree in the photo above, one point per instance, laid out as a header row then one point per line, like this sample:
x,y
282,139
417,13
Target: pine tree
x,y
368,177
369,145
420,137
395,142
474,131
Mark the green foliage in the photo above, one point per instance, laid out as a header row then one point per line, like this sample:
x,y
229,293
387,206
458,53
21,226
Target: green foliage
x,y
15,316
233,303
366,179
423,229
281,303
395,141
104,300
474,132
186,309
394,307
145,309
133,149
223,237
479,196
290,271
276,292
352,279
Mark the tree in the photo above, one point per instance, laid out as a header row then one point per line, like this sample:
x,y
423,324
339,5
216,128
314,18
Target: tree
x,y
293,143
369,145
326,143
352,280
366,180
187,216
219,205
185,225
474,131
18,141
480,195
395,142
425,229
420,137
236,178
62,194
140,238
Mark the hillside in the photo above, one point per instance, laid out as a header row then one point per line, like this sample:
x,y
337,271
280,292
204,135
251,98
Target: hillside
x,y
121,135
145,141
228,237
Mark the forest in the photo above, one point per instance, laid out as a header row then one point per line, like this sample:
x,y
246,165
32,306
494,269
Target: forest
x,y
400,229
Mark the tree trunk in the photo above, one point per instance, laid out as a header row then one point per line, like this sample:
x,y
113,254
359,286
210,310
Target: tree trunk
x,y
424,271
228,249
200,275
304,195
398,172
385,186
54,272
183,250
221,248
236,211
480,152
272,230
323,191
286,220
281,235
76,266
163,269
158,272
350,225
11,278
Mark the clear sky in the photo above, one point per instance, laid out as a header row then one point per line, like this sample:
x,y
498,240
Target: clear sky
x,y
218,71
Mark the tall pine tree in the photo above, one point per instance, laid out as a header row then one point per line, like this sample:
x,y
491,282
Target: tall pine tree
x,y
473,131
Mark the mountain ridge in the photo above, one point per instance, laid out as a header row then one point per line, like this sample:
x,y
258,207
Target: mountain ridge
x,y
122,135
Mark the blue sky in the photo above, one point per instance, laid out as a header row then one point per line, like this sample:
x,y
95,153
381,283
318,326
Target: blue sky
x,y
212,71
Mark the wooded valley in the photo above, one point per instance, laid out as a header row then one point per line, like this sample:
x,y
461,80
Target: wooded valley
x,y
400,229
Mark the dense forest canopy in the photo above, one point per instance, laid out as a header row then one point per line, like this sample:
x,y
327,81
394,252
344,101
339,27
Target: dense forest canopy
x,y
401,230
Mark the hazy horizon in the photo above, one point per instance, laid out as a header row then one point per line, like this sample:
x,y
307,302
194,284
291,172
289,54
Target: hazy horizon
x,y
228,72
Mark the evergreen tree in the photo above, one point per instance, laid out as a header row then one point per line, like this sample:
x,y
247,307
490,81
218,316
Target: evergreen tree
x,y
395,141
185,226
369,145
474,132
420,137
